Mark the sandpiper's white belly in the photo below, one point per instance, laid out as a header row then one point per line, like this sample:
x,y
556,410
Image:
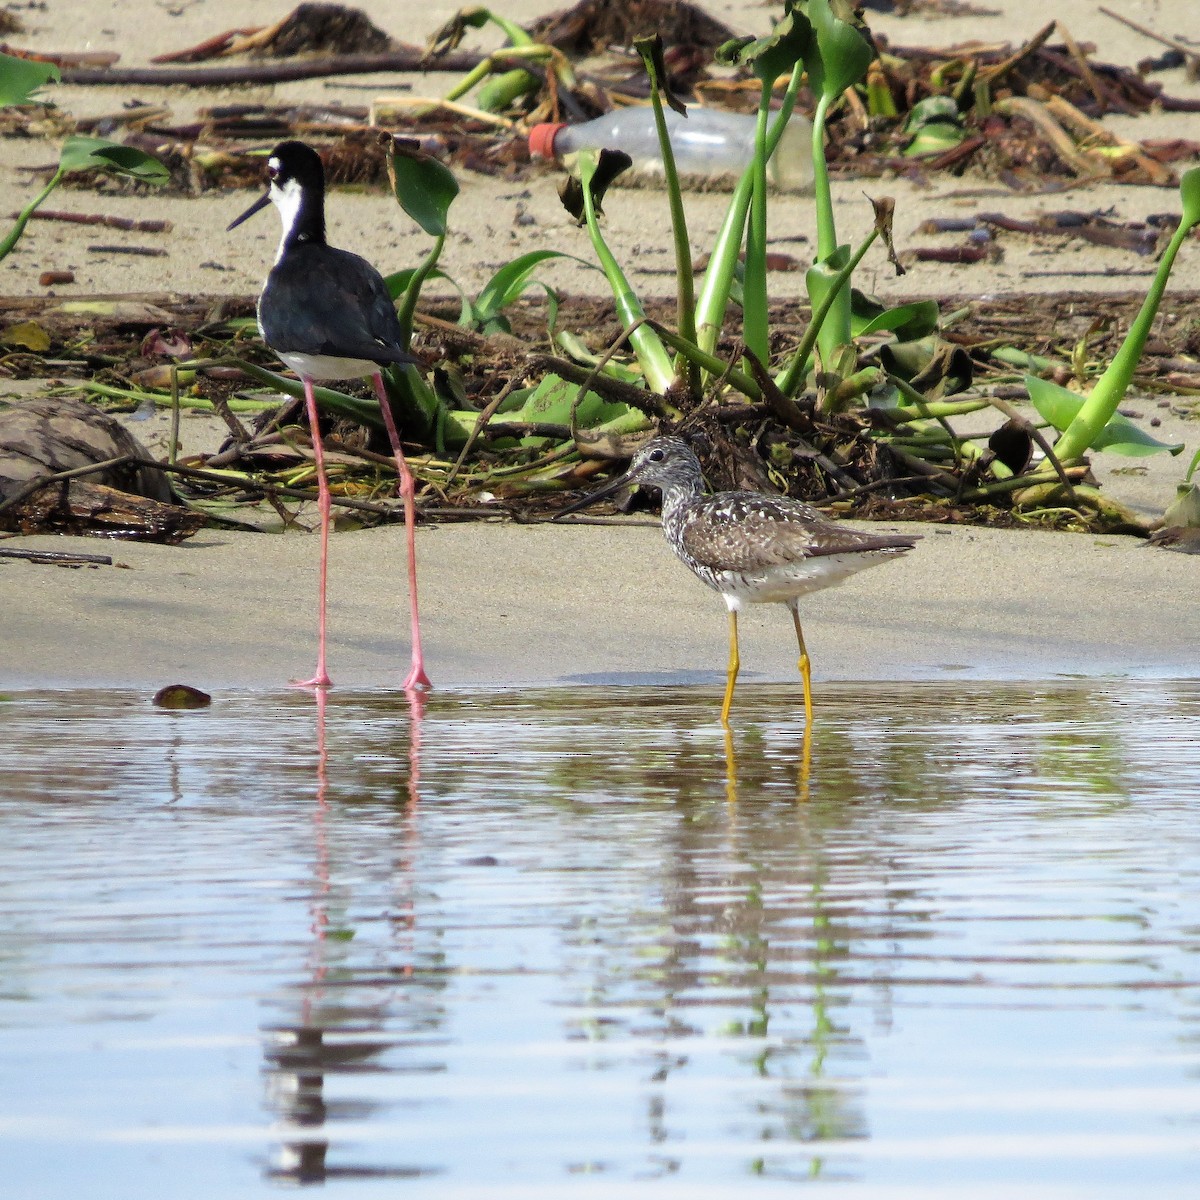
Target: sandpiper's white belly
x,y
787,582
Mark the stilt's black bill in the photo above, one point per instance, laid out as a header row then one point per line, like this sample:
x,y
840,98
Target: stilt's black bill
x,y
260,203
605,489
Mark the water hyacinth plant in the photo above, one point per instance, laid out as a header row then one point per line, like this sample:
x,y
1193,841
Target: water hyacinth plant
x,y
21,81
808,34
909,386
499,83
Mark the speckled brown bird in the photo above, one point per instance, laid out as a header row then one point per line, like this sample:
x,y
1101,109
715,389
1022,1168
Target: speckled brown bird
x,y
751,547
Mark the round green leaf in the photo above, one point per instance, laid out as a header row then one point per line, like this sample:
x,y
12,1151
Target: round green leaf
x,y
97,154
839,55
425,189
21,77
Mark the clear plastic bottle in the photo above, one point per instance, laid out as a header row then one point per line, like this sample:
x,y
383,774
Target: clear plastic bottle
x,y
707,142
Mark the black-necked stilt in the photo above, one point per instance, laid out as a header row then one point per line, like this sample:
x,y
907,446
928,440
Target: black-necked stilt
x,y
751,547
327,314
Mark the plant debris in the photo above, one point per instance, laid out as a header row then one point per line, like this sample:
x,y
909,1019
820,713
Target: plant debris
x,y
1023,115
525,470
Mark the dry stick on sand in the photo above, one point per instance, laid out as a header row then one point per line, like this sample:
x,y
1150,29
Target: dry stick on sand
x,y
1190,53
109,222
411,59
40,481
62,558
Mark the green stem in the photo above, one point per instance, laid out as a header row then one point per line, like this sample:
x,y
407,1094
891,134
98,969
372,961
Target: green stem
x,y
412,293
713,297
162,400
822,196
656,363
754,287
23,216
685,280
1110,388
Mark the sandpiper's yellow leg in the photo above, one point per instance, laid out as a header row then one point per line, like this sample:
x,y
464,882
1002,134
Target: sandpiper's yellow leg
x,y
805,668
734,664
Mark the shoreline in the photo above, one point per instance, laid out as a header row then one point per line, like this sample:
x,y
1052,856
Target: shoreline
x,y
589,604
507,605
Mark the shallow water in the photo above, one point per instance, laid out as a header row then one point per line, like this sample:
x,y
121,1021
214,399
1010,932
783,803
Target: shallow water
x,y
561,943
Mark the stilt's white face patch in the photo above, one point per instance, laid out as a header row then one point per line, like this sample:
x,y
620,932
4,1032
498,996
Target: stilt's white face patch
x,y
286,198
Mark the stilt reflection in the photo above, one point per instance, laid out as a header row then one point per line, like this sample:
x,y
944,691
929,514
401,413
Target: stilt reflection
x,y
343,1010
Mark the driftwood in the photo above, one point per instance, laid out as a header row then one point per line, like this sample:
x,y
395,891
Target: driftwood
x,y
410,58
66,466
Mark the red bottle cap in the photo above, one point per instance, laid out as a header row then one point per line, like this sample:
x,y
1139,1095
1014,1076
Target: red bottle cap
x,y
541,138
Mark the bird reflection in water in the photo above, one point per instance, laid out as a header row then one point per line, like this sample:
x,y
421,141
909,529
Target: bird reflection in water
x,y
340,1027
803,767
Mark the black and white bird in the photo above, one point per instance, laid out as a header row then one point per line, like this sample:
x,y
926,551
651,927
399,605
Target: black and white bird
x,y
328,315
752,547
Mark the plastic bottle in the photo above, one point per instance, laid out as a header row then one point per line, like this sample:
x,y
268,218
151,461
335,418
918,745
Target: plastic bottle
x,y
707,142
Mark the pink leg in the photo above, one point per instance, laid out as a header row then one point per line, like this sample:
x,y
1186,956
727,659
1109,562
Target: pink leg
x,y
321,678
416,675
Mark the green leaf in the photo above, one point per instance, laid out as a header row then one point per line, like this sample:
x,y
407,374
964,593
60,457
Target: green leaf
x,y
1122,436
1054,404
838,55
651,50
424,187
909,322
554,398
1185,508
510,282
21,77
932,110
1119,436
398,283
774,55
97,154
935,138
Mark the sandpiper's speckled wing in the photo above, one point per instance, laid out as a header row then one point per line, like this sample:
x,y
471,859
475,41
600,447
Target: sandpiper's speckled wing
x,y
751,531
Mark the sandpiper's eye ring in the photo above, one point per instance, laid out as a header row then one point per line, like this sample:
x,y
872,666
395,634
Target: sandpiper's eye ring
x,y
655,456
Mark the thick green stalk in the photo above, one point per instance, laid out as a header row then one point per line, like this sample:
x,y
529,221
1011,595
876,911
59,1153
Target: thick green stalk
x,y
835,331
685,281
822,195
656,363
755,318
1110,388
718,278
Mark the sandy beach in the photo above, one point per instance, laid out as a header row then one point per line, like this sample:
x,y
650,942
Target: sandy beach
x,y
505,604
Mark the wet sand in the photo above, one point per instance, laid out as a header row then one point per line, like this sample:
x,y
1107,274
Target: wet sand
x,y
506,604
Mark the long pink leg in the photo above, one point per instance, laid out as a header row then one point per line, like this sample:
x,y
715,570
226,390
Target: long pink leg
x,y
321,678
416,676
